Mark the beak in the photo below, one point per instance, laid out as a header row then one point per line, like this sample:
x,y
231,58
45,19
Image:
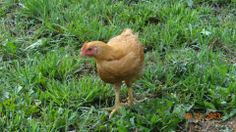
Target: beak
x,y
82,54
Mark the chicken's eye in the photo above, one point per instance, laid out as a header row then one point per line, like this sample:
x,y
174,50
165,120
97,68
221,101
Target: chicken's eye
x,y
89,49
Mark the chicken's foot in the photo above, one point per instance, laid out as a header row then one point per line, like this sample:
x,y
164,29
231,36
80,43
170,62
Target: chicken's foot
x,y
113,107
131,99
118,104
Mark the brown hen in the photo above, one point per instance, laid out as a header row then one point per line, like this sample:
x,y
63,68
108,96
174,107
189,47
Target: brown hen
x,y
121,59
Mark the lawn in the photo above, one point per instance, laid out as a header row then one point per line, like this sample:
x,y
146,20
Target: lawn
x,y
190,63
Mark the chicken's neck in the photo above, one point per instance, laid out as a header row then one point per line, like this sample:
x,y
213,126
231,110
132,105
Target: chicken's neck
x,y
108,53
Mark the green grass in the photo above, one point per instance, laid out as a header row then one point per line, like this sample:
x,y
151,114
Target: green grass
x,y
45,86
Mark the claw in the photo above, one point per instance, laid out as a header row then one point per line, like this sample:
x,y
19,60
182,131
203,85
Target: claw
x,y
116,108
135,101
140,101
109,108
114,111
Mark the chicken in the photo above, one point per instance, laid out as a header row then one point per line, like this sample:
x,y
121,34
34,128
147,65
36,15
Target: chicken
x,y
121,59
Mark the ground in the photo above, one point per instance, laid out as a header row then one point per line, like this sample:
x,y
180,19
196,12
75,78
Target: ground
x,y
209,122
190,64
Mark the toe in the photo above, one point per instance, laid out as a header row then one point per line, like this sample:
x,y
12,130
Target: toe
x,y
140,101
135,101
109,108
116,109
113,112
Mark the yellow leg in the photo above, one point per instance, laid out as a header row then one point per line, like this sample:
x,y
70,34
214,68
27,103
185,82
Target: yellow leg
x,y
131,99
130,96
117,100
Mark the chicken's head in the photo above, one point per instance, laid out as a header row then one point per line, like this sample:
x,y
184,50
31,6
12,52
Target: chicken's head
x,y
88,50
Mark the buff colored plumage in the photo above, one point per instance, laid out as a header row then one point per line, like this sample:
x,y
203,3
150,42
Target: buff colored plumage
x,y
121,59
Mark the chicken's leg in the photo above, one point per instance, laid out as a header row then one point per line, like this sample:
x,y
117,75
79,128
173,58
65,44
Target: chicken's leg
x,y
131,99
117,99
130,96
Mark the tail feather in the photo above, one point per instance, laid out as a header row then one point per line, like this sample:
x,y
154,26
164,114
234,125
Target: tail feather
x,y
127,31
127,34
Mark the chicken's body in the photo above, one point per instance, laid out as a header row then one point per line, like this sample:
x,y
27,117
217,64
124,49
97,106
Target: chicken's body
x,y
128,63
121,59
